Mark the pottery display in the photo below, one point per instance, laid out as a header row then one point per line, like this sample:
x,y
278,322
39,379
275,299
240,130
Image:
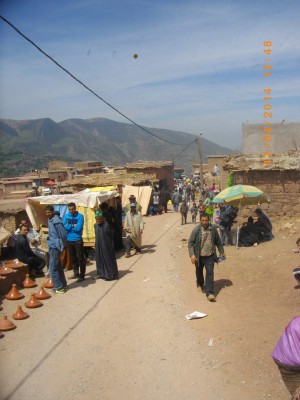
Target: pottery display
x,y
42,294
49,284
28,283
6,324
6,271
14,294
33,302
20,314
14,264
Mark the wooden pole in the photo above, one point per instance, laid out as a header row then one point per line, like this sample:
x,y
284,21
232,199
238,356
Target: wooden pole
x,y
200,160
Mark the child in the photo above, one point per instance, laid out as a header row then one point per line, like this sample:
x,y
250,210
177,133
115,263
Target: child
x,y
183,211
298,244
194,211
296,272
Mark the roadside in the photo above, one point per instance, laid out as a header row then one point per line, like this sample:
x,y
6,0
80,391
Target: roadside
x,y
129,339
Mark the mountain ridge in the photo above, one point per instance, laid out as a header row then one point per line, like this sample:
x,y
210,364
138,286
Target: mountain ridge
x,y
32,142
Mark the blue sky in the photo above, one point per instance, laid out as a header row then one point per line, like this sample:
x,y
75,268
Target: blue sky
x,y
199,66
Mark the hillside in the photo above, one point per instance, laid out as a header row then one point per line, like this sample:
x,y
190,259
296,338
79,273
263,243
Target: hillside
x,y
30,144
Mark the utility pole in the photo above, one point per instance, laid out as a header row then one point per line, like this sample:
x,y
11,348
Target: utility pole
x,y
198,140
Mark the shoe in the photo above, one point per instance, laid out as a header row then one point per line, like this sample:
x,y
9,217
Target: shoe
x,y
74,277
39,274
98,277
80,279
66,288
211,297
200,288
59,291
127,255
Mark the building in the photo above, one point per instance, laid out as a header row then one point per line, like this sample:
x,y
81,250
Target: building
x,y
282,137
280,180
16,188
161,170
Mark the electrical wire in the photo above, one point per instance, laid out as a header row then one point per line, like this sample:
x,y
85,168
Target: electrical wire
x,y
86,87
194,141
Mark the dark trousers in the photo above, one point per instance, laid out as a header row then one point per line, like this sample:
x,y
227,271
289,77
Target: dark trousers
x,y
129,243
207,262
76,253
183,217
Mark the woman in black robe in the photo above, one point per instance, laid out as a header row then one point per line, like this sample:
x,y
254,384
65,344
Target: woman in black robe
x,y
249,234
106,264
264,225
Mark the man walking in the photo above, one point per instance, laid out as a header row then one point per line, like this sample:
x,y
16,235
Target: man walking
x,y
56,242
73,223
176,199
202,249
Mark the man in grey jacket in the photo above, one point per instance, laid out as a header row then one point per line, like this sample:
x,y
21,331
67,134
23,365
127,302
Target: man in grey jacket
x,y
176,199
202,249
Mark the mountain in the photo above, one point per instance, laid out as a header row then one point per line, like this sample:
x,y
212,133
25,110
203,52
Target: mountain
x,y
31,144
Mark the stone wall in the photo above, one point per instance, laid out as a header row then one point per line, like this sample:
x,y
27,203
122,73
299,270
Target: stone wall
x,y
10,220
283,187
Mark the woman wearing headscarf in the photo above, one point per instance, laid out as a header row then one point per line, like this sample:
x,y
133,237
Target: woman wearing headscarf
x,y
264,225
106,264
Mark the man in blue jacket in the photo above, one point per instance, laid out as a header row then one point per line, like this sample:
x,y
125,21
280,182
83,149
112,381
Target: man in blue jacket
x,y
73,223
56,242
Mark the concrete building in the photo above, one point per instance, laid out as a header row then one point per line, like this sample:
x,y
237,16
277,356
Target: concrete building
x,y
282,138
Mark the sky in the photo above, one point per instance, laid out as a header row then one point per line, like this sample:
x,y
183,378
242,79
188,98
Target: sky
x,y
199,65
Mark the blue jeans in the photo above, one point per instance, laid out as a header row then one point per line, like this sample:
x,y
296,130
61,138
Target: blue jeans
x,y
175,207
56,270
207,262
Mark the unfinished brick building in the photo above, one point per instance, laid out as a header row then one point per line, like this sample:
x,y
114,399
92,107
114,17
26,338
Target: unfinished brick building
x,y
280,180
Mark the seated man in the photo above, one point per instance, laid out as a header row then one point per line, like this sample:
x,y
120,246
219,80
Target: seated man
x,y
34,241
26,255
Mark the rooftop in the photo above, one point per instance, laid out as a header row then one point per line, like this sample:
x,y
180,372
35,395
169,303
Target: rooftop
x,y
246,162
149,164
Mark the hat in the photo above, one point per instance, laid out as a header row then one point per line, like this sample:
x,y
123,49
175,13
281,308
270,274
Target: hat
x,y
99,214
132,196
133,205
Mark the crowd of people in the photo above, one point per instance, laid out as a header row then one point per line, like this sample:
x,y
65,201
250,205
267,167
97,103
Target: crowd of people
x,y
65,234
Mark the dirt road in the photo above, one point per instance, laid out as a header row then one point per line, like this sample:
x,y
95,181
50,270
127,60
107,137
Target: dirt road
x,y
129,339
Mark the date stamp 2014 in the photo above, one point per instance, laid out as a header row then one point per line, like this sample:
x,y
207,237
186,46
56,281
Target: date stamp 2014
x,y
268,114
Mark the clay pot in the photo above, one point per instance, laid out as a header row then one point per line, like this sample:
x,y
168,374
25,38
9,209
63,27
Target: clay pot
x,y
20,314
6,271
42,294
6,324
49,284
14,264
28,283
14,294
33,302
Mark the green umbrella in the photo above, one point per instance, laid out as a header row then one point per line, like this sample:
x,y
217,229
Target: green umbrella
x,y
241,195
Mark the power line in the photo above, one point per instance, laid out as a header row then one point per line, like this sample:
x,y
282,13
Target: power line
x,y
86,87
194,141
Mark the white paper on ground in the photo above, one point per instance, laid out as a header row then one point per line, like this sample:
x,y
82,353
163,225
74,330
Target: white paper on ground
x,y
195,315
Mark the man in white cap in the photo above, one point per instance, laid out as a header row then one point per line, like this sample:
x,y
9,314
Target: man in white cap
x,y
132,199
